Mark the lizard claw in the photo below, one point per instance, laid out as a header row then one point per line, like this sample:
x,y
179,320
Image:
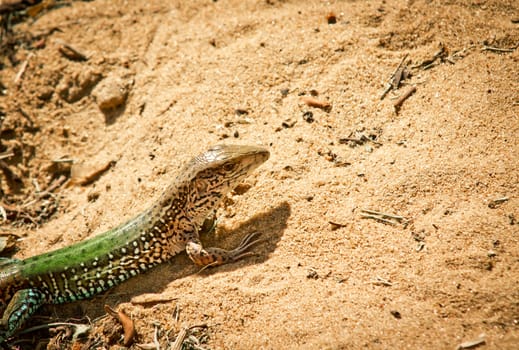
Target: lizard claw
x,y
212,256
241,251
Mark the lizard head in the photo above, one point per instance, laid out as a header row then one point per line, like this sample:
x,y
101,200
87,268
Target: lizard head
x,y
222,167
219,170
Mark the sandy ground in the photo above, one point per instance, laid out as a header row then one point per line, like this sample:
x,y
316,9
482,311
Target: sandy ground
x,y
184,75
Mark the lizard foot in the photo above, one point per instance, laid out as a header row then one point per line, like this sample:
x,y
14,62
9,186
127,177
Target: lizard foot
x,y
212,256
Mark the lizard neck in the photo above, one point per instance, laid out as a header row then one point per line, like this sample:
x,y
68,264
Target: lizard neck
x,y
92,266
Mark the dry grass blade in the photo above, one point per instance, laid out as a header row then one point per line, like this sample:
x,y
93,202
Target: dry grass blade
x,y
70,52
381,281
79,329
148,346
396,77
336,225
190,338
384,217
497,49
6,155
20,73
472,343
496,202
152,299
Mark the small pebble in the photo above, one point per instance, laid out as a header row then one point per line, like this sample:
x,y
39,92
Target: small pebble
x,y
111,92
312,274
241,111
331,18
396,314
308,117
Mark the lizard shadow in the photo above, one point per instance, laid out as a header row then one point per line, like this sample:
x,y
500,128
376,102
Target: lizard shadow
x,y
270,224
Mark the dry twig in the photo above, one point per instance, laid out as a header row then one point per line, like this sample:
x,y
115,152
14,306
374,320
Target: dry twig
x,y
405,96
335,225
179,340
192,341
396,77
383,217
497,49
496,202
80,329
20,73
313,102
472,343
70,52
381,281
6,155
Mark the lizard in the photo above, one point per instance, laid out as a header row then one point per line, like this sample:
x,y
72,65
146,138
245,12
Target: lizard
x,y
168,227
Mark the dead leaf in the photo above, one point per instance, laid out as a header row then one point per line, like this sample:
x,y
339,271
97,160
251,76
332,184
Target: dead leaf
x,y
126,322
313,102
83,174
7,241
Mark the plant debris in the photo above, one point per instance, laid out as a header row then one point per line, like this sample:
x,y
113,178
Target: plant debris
x,y
496,202
7,241
383,217
472,343
313,102
126,322
84,174
398,103
401,73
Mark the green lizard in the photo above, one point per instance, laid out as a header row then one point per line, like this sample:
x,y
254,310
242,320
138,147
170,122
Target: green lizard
x,y
168,227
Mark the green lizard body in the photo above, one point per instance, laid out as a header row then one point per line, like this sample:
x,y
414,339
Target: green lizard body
x,y
170,226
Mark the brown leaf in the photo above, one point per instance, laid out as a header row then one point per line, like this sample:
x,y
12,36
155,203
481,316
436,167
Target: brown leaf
x,y
126,322
83,174
313,102
7,241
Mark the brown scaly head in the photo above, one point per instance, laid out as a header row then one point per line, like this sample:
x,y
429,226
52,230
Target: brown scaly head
x,y
216,172
205,181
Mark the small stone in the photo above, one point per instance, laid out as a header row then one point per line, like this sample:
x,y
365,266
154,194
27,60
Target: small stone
x,y
111,92
45,93
312,274
308,117
241,111
93,196
288,123
242,188
331,18
396,314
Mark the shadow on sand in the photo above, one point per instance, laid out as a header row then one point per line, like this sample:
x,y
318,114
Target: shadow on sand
x,y
270,224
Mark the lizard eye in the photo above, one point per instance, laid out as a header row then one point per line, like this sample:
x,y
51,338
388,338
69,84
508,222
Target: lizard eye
x,y
228,167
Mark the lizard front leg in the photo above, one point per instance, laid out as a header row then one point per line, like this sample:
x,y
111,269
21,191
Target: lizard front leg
x,y
214,256
209,224
21,306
